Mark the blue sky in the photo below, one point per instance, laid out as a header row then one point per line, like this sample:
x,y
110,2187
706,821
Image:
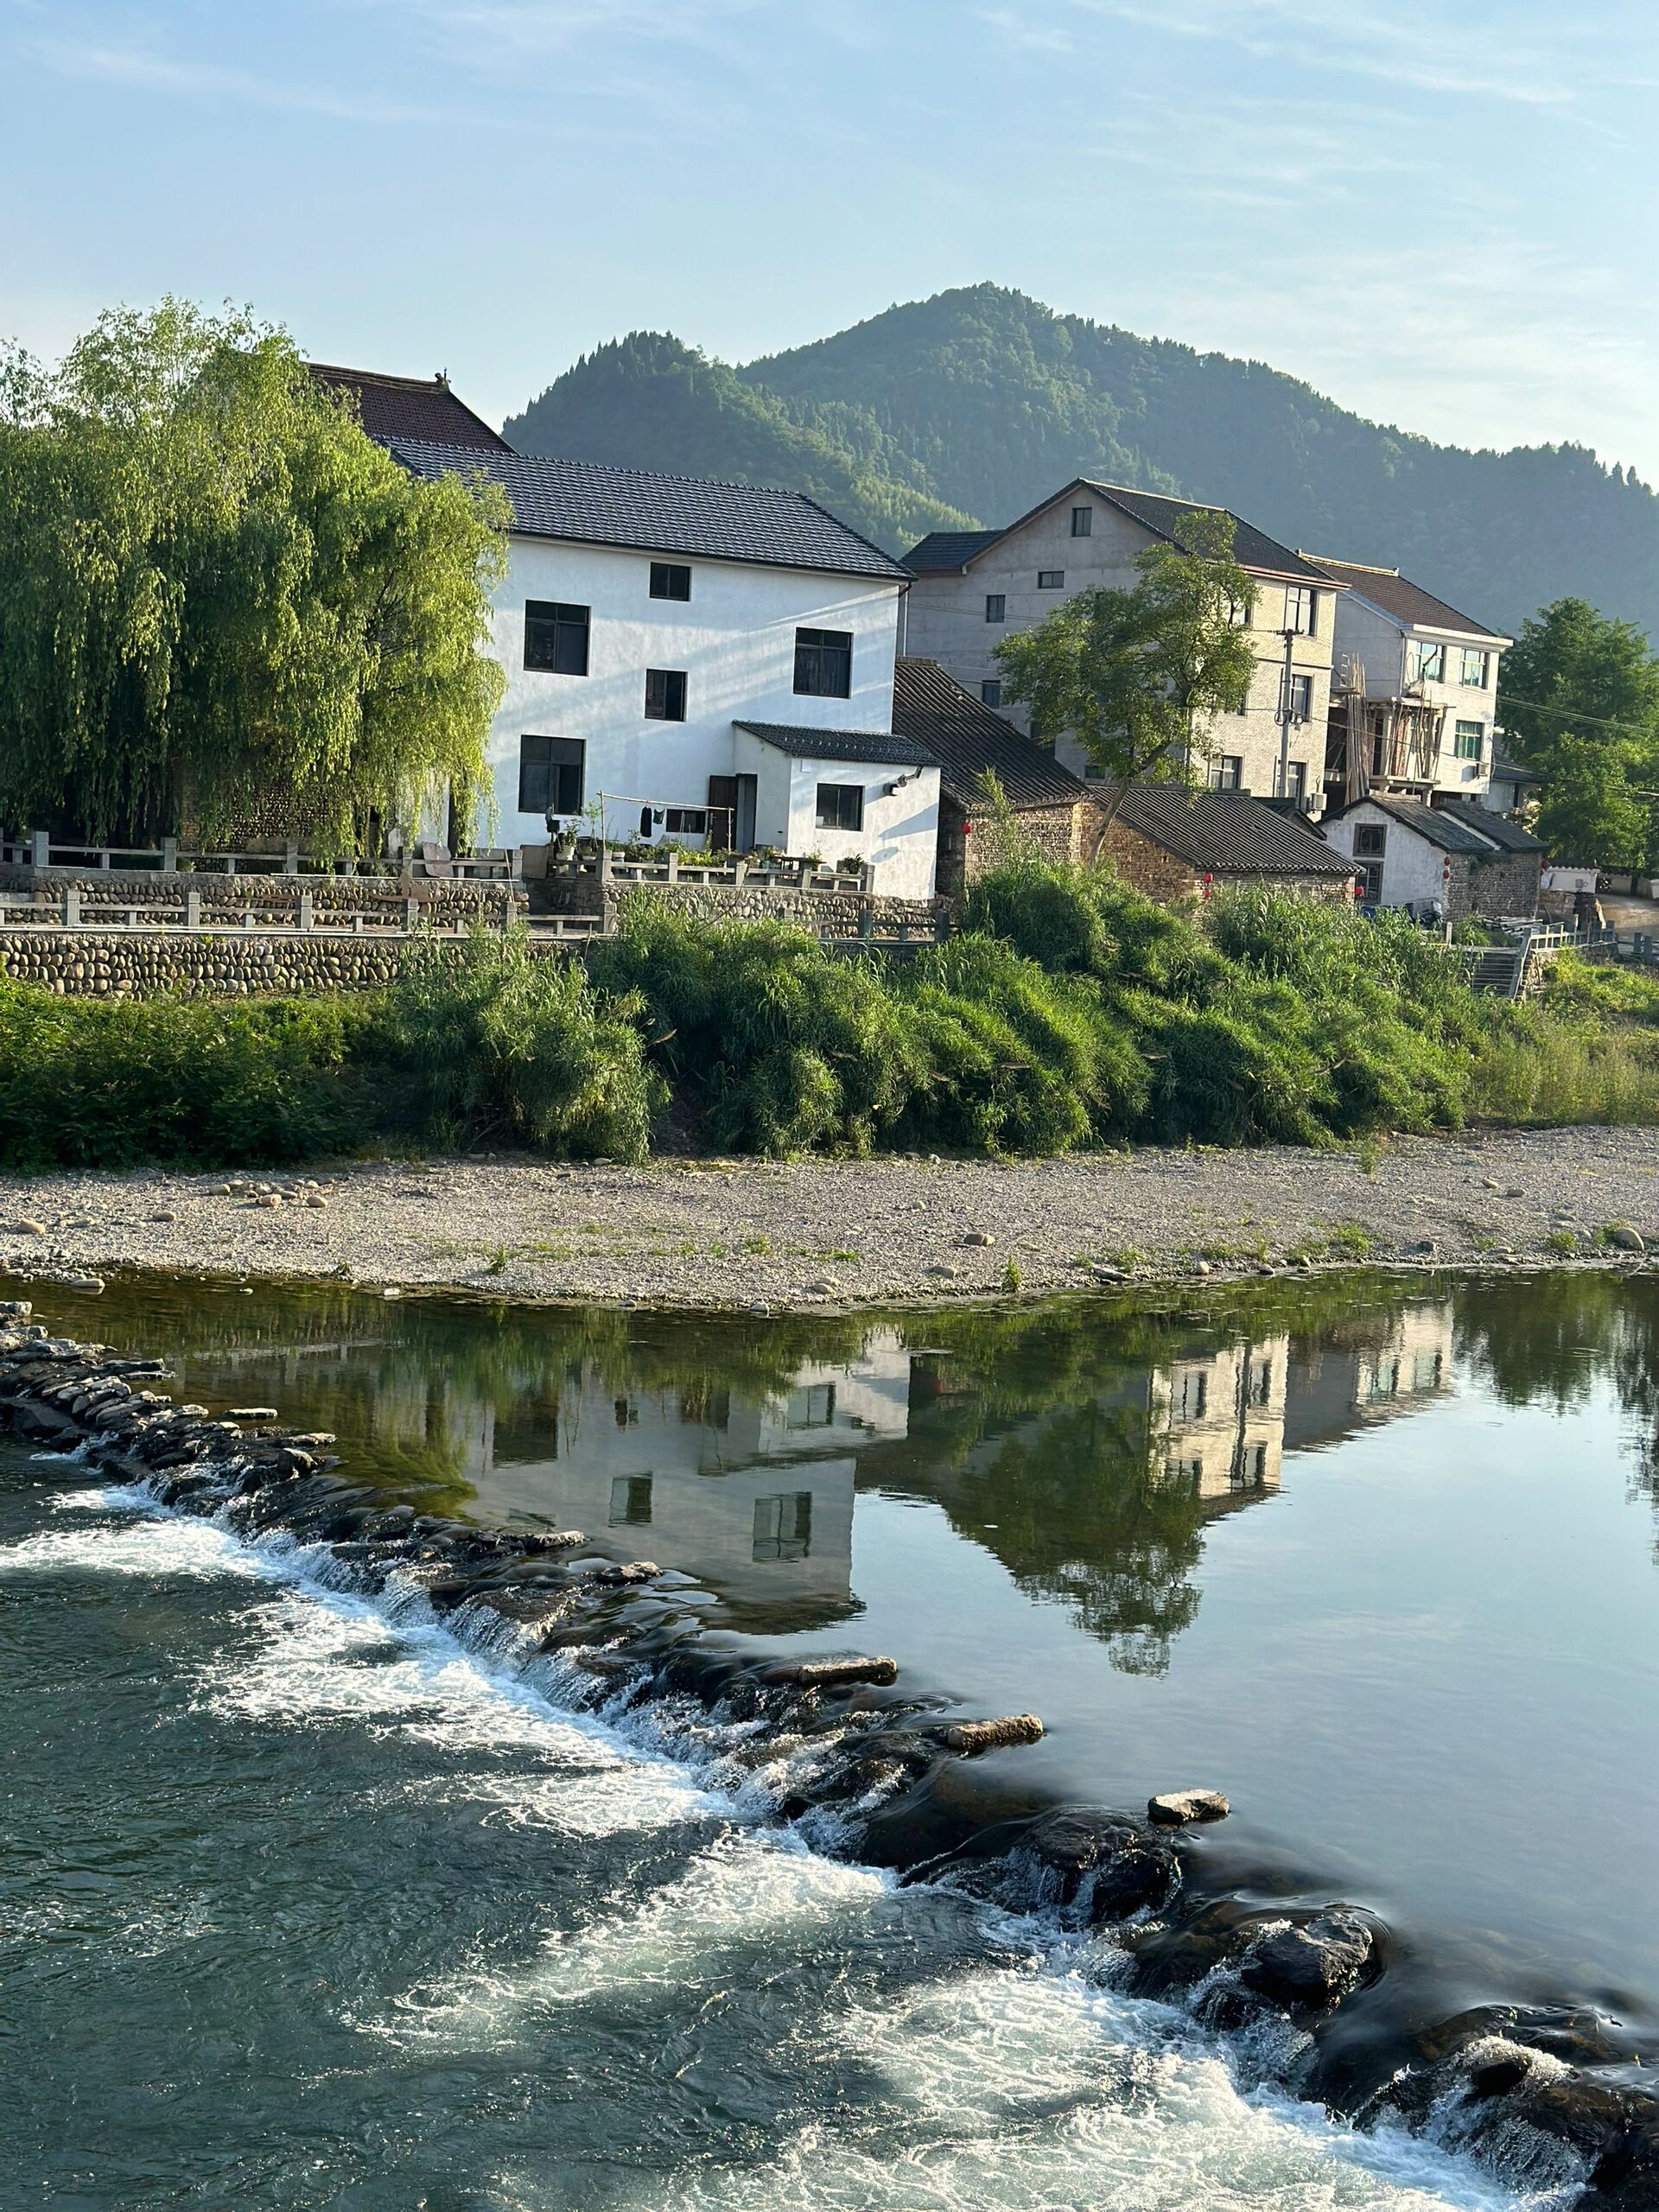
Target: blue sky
x,y
1443,215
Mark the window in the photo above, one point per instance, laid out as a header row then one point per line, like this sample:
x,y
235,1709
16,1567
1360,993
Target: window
x,y
665,694
550,775
823,664
1370,891
1296,779
813,1405
1370,840
1093,773
990,692
630,1502
1261,1383
1385,1381
996,607
1301,698
1425,663
670,580
556,637
686,821
1050,579
1082,522
1227,771
1302,609
1468,741
1193,1396
841,806
783,1526
1474,667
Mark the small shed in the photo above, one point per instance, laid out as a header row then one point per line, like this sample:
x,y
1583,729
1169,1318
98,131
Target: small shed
x,y
861,796
1174,842
1450,861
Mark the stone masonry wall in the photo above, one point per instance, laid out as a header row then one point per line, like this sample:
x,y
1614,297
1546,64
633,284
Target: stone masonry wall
x,y
826,913
142,964
226,898
1162,875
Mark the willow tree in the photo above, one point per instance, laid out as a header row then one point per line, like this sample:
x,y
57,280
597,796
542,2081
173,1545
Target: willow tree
x,y
220,600
1135,673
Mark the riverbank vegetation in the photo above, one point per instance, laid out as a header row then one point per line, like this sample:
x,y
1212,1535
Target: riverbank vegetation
x,y
1067,1012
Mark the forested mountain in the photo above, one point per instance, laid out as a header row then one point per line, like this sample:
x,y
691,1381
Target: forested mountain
x,y
971,406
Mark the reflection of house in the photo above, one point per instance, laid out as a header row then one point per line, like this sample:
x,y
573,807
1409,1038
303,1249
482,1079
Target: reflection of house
x,y
1218,1416
1364,1371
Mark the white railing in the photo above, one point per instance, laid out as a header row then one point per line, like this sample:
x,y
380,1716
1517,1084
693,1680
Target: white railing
x,y
40,850
784,875
186,916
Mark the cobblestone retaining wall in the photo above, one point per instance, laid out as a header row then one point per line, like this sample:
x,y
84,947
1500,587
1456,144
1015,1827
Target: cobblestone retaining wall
x,y
826,913
226,898
114,964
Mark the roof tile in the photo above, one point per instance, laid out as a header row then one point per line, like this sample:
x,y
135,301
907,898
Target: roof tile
x,y
969,740
1406,601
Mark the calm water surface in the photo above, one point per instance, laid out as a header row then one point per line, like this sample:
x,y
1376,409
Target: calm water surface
x,y
300,1907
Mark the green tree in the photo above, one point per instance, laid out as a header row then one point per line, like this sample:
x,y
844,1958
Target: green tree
x,y
1589,812
214,590
1135,674
1574,669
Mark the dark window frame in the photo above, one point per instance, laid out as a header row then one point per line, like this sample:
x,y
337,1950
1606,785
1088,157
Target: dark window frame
x,y
996,607
849,799
665,575
990,691
1082,522
685,821
823,664
1370,840
1050,579
557,636
1227,771
665,689
563,769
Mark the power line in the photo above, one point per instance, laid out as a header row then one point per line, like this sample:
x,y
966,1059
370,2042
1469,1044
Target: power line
x,y
1570,714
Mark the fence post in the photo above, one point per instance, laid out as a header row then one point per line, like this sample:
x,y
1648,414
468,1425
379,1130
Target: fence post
x,y
40,848
673,865
193,910
411,915
71,905
169,857
290,859
740,871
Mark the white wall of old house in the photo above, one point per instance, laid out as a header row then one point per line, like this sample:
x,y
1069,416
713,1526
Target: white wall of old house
x,y
1383,645
946,621
1412,868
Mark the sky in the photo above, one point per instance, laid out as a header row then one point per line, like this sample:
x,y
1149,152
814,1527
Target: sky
x,y
1443,216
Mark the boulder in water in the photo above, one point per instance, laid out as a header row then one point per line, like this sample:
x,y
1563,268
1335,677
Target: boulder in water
x,y
966,1737
1314,1965
1176,1808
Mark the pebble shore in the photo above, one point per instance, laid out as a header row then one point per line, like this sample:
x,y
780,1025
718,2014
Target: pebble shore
x,y
825,1233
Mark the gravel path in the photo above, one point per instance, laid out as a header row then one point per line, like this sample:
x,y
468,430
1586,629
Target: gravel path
x,y
726,1233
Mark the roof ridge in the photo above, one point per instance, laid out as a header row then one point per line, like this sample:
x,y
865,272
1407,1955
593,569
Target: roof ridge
x,y
1365,568
663,476
438,381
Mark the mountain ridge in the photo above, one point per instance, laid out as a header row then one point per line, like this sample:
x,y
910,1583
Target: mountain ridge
x,y
964,410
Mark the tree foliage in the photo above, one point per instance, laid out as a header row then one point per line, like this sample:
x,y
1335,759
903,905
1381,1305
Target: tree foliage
x,y
1588,813
1135,673
213,586
1574,669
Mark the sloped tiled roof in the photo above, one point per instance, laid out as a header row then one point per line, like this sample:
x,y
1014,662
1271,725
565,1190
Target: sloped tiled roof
x,y
1153,511
410,407
1409,603
969,740
1498,827
1225,833
589,502
948,549
1438,824
1512,772
880,747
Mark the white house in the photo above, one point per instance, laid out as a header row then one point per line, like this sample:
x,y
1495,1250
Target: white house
x,y
973,588
1443,862
697,663
1416,683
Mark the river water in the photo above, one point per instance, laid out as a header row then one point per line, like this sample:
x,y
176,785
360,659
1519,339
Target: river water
x,y
305,1905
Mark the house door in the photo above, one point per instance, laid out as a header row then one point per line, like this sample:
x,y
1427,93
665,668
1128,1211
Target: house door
x,y
747,792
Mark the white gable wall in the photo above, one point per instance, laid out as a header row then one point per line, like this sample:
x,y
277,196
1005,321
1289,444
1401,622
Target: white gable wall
x,y
1412,868
900,838
1380,641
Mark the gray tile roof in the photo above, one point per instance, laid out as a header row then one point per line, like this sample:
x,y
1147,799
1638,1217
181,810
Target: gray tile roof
x,y
1512,772
1225,833
969,740
589,502
1498,827
880,747
1252,548
948,549
1409,603
1438,824
409,407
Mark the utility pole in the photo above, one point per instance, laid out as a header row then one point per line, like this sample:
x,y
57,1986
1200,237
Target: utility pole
x,y
1284,719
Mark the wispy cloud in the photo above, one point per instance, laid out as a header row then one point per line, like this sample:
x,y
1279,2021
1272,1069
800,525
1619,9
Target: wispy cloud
x,y
144,69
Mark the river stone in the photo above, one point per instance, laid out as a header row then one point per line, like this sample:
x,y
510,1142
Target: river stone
x,y
1314,1965
968,1737
837,1674
1626,1240
1177,1806
979,1236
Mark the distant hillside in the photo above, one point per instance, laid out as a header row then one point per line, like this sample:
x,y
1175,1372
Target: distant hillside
x,y
971,406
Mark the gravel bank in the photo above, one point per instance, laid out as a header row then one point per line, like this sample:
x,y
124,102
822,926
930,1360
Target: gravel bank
x,y
734,1233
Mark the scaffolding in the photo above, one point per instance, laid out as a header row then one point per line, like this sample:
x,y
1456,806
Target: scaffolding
x,y
1379,742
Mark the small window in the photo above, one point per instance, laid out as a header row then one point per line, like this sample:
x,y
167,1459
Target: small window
x,y
1426,1371
841,806
556,637
670,580
1425,663
686,821
1370,889
990,692
1474,668
1093,773
630,1502
1296,779
1193,1398
1261,1383
1301,697
1050,579
1370,840
813,1405
1082,522
823,664
783,1526
1468,740
1385,1381
1301,609
550,775
665,695
996,607
1227,771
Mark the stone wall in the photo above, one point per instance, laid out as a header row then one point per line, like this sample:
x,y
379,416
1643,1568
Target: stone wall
x,y
116,964
1507,884
826,913
227,897
1164,876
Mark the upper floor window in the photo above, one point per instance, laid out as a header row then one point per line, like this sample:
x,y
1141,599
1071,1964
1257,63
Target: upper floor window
x,y
1370,839
670,580
1082,522
1227,771
1302,610
996,607
1425,663
841,806
1050,579
550,775
1300,700
1296,774
665,694
556,637
990,692
1475,667
1468,741
823,664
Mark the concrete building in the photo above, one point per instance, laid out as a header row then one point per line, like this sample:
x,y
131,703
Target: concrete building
x,y
973,588
1443,862
1414,693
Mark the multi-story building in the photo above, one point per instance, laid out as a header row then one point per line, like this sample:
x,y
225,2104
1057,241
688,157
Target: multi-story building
x,y
1415,684
973,588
